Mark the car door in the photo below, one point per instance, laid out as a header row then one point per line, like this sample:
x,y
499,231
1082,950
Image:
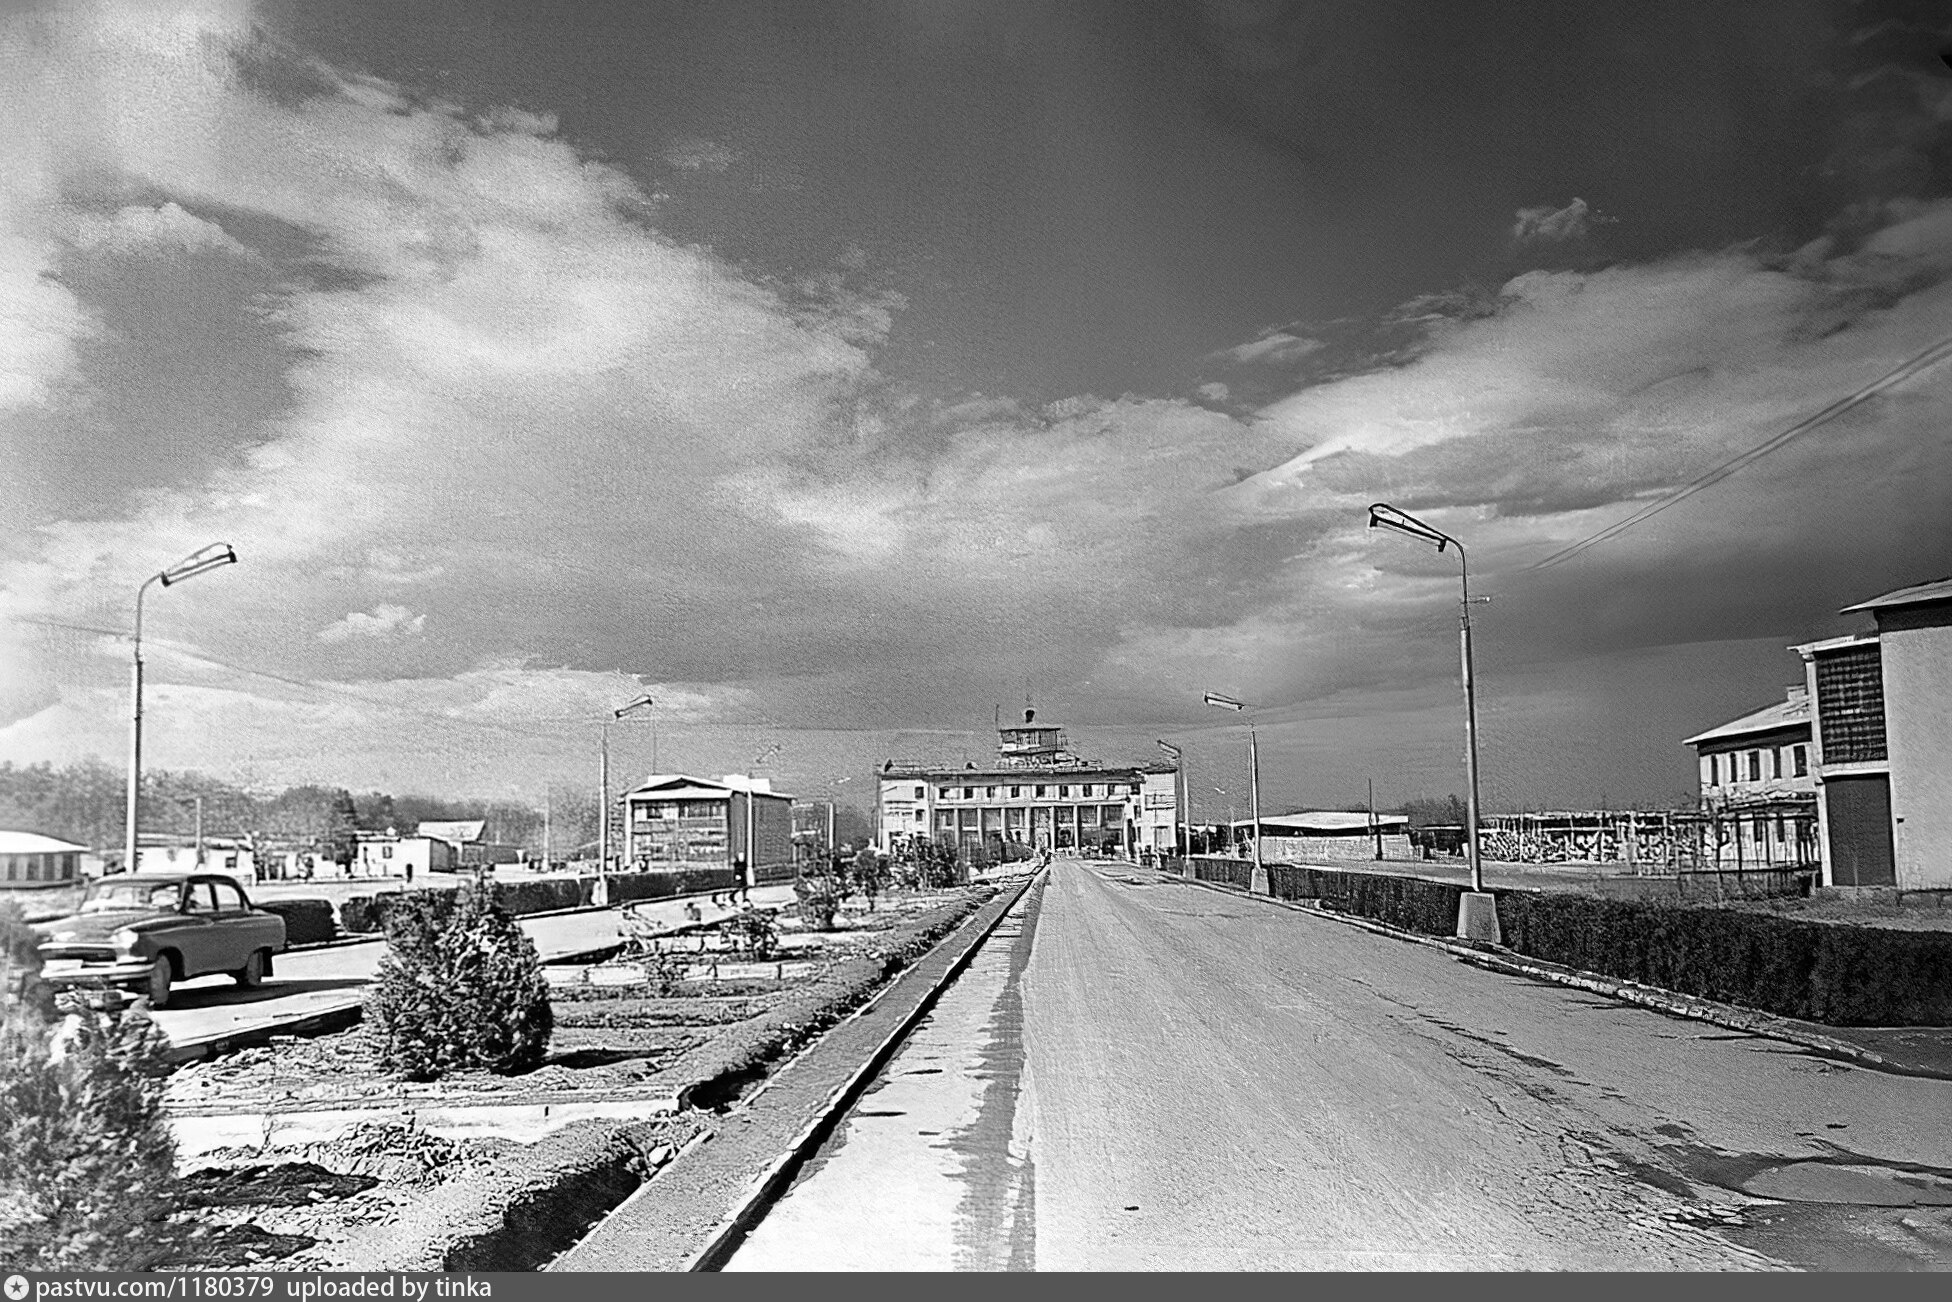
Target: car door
x,y
239,929
197,934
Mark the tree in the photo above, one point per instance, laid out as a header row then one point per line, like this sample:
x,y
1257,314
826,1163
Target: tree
x,y
460,986
374,812
821,888
870,874
87,1161
341,828
1424,811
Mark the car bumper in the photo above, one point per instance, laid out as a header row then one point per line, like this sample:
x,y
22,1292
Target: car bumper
x,y
75,972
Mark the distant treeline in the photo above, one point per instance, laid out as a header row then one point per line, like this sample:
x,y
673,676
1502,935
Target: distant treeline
x,y
85,802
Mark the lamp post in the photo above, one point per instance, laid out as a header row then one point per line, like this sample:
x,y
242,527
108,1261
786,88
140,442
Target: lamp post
x,y
197,562
1257,884
603,796
1178,757
1477,915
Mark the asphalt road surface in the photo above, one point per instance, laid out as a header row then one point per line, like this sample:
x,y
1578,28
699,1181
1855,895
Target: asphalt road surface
x,y
1139,1073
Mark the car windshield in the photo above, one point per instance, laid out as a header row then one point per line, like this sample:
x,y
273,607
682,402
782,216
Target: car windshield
x,y
107,897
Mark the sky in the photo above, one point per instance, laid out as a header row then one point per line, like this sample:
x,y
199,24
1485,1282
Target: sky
x,y
842,375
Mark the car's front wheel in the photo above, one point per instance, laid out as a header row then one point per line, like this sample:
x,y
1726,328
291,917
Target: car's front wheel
x,y
251,975
157,986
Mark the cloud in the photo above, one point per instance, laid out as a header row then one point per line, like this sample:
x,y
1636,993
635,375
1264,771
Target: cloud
x,y
1549,225
700,155
386,620
1276,348
166,229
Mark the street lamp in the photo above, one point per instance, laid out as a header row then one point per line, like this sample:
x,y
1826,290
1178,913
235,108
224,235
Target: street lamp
x,y
197,562
603,795
1178,757
1257,884
1477,916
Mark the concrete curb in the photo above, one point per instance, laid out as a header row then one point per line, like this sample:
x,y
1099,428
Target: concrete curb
x,y
750,1208
1660,1000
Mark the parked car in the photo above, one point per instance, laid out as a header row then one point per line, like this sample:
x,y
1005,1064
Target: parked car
x,y
147,931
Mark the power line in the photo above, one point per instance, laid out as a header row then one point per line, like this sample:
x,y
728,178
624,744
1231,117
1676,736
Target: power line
x,y
1938,352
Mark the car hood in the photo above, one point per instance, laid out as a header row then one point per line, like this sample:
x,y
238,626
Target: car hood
x,y
84,928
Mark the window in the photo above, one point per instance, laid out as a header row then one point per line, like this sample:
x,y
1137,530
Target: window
x,y
1775,761
1088,788
229,898
969,793
1063,789
942,793
1801,756
33,868
989,793
920,816
1042,789
946,820
1016,792
196,898
386,852
920,792
1136,788
230,861
1755,766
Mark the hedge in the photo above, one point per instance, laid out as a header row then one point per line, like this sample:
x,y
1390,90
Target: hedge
x,y
1233,872
1834,973
1411,903
364,914
628,887
307,922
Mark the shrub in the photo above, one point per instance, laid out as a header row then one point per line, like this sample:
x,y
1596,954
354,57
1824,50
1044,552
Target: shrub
x,y
752,933
87,1162
360,914
869,873
820,888
459,987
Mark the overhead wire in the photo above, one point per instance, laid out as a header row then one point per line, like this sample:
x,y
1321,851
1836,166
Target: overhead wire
x,y
1918,362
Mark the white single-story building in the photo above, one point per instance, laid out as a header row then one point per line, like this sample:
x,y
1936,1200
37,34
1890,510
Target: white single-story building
x,y
1328,834
30,861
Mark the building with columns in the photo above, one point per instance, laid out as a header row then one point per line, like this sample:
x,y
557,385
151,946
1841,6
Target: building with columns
x,y
1035,795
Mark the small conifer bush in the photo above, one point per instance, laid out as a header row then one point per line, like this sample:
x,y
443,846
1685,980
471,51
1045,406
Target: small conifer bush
x,y
460,987
87,1161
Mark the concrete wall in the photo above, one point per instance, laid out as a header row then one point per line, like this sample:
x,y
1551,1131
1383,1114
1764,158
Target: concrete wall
x,y
1918,731
1311,849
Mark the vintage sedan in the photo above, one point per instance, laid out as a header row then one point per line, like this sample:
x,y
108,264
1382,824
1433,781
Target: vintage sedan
x,y
147,931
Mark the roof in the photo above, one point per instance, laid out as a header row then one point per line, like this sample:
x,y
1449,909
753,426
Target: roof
x,y
1327,820
683,786
1791,713
1087,772
35,843
466,829
1809,650
1916,595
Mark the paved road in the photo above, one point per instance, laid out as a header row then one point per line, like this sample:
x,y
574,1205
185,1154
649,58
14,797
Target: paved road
x,y
311,982
1145,1074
